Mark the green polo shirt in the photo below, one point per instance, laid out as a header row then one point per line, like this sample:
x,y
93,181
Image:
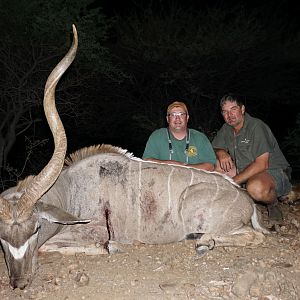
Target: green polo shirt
x,y
254,139
199,147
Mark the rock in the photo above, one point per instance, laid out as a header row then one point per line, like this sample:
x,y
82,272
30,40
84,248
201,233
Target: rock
x,y
168,288
82,279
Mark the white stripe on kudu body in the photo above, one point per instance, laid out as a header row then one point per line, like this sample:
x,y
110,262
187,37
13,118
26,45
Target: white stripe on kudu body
x,y
170,189
184,195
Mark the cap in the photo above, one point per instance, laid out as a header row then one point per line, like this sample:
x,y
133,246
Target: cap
x,y
177,104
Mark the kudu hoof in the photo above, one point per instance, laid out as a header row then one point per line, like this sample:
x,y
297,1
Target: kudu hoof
x,y
201,250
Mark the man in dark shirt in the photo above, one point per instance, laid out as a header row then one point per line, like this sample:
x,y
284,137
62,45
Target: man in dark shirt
x,y
247,150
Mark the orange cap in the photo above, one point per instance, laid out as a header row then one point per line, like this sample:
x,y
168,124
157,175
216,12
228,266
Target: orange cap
x,y
177,104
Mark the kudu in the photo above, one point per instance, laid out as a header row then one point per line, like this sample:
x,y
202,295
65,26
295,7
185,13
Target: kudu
x,y
117,198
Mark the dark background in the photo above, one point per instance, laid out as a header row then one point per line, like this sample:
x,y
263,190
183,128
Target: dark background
x,y
134,58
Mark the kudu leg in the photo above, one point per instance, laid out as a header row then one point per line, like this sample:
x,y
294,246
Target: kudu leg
x,y
245,236
82,238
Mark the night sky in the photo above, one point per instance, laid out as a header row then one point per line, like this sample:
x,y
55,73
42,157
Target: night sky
x,y
101,105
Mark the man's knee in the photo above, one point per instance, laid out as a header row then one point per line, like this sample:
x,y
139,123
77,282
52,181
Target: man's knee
x,y
255,189
261,191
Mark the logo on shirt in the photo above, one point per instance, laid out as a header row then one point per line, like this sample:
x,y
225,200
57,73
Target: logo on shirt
x,y
192,151
245,141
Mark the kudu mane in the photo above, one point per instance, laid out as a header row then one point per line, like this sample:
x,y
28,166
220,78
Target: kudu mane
x,y
94,150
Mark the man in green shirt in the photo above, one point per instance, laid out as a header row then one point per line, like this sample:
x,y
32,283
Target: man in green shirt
x,y
178,144
247,150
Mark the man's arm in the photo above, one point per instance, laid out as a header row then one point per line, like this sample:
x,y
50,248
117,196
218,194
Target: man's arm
x,y
162,161
260,164
201,166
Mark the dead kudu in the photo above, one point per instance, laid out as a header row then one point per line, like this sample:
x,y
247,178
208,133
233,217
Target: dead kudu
x,y
116,198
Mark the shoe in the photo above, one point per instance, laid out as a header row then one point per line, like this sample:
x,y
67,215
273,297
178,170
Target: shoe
x,y
274,212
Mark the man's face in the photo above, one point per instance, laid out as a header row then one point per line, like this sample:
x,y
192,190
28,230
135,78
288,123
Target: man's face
x,y
233,114
177,119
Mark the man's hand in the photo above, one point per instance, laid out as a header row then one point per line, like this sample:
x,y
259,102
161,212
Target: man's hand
x,y
225,160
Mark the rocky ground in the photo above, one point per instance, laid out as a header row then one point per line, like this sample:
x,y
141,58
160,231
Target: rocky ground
x,y
270,271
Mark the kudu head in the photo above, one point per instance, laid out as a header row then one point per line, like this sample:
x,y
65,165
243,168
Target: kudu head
x,y
20,211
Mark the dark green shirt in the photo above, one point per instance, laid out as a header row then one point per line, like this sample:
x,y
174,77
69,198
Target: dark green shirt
x,y
199,147
254,139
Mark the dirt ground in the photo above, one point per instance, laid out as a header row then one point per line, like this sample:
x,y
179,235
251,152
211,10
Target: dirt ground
x,y
173,271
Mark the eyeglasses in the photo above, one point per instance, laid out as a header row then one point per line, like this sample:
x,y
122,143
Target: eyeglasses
x,y
177,114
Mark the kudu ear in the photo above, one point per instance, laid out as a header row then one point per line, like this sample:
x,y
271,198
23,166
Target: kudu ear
x,y
57,215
